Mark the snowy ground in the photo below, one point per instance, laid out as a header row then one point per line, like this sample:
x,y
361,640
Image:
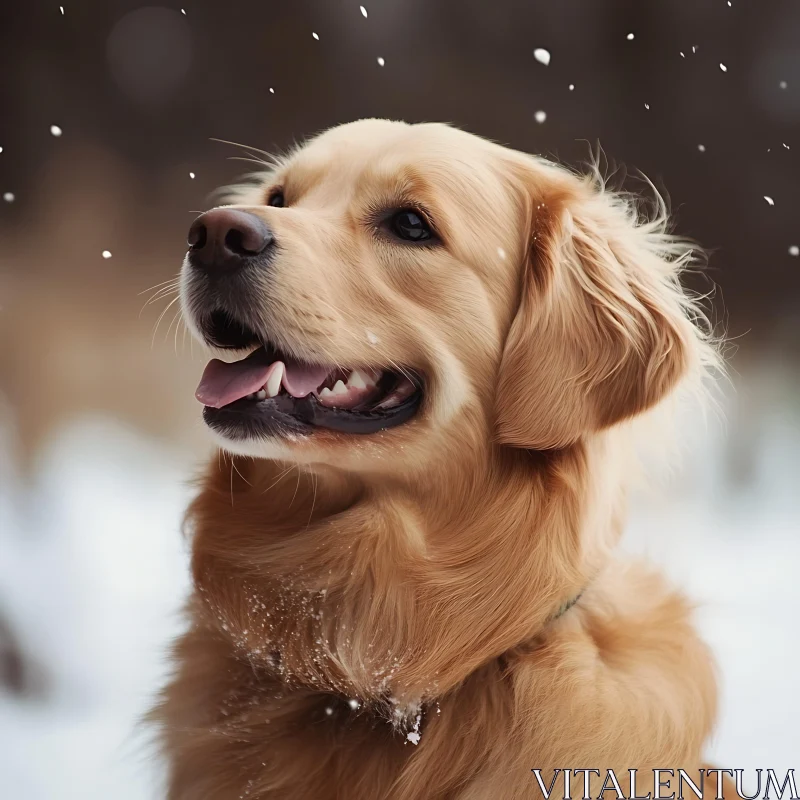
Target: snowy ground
x,y
93,570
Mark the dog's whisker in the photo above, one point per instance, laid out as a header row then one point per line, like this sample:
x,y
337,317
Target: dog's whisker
x,y
158,321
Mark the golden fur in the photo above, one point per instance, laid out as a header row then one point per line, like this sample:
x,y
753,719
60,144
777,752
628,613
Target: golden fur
x,y
355,594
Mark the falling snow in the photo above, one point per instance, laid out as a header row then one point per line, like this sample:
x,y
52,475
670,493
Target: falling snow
x,y
316,36
363,12
55,130
647,106
769,200
723,67
271,90
782,84
372,338
353,703
183,11
329,711
1,149
701,148
571,86
61,8
191,175
9,197
783,143
683,55
794,250
413,737
106,254
540,116
381,61
542,55
629,37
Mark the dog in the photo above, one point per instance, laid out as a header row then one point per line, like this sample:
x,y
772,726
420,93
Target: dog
x,y
436,356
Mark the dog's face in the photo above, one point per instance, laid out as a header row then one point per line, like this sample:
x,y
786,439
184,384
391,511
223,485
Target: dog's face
x,y
391,290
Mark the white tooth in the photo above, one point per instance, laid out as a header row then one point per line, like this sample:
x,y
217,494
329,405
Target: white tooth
x,y
356,380
261,395
274,383
326,392
339,388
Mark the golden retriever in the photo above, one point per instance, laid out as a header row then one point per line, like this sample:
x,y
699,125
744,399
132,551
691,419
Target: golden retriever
x,y
403,560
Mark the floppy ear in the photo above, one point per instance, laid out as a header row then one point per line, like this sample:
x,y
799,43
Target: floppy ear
x,y
601,332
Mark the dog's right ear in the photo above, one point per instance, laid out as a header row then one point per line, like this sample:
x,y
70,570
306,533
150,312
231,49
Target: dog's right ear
x,y
601,332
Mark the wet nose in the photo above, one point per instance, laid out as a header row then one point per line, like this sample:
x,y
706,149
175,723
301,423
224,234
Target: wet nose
x,y
227,238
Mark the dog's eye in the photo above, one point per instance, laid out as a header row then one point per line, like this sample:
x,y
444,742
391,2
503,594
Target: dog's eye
x,y
410,226
276,199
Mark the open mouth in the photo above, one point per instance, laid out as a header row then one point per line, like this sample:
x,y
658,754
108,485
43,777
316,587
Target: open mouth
x,y
270,393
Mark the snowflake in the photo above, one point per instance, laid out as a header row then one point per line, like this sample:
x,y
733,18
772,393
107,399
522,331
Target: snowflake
x,y
723,67
769,200
9,197
315,35
571,86
783,84
55,130
271,90
701,148
381,61
629,37
647,106
363,12
413,737
794,250
542,55
106,254
540,116
191,175
353,703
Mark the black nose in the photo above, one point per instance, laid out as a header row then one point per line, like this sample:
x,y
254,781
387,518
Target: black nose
x,y
226,238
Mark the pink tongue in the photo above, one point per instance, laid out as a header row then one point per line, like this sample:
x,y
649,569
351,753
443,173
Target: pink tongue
x,y
223,383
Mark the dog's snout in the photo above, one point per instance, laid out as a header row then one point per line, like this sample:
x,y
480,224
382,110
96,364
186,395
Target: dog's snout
x,y
227,238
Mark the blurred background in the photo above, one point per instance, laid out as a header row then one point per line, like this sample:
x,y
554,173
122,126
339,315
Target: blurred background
x,y
107,113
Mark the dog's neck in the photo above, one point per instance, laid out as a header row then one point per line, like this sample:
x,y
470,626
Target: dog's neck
x,y
397,590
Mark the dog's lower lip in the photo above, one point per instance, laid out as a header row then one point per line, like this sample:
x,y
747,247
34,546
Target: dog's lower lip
x,y
283,414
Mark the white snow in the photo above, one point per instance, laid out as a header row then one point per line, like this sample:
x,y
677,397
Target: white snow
x,y
794,250
9,197
701,148
1,149
785,145
61,8
629,37
723,67
542,55
540,116
55,130
782,84
413,737
647,106
271,90
769,200
363,12
353,703
381,61
192,175
571,86
372,338
106,254
316,36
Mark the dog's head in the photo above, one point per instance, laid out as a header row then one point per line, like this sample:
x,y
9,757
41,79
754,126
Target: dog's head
x,y
393,291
